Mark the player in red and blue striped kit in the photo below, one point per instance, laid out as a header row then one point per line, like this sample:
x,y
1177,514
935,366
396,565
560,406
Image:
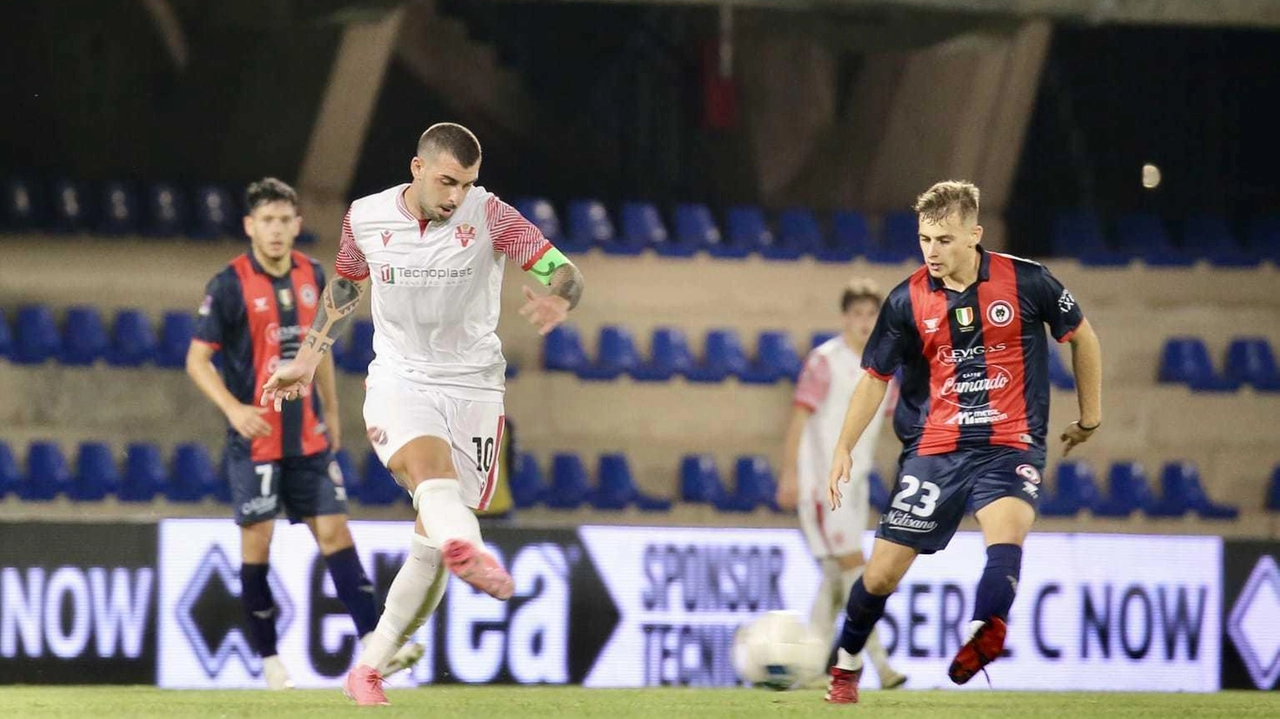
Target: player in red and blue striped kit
x,y
967,333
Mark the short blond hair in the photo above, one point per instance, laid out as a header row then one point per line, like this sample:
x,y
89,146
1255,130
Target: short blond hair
x,y
860,288
947,198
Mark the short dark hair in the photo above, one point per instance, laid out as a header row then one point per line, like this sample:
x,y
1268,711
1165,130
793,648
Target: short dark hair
x,y
269,189
859,289
453,139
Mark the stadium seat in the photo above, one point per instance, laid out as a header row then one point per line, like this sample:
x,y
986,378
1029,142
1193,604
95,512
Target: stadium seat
x,y
119,214
1059,376
1079,235
70,213
193,476
1185,360
144,473
1076,490
798,235
642,227
820,338
6,337
47,473
878,491
755,486
1186,478
616,354
166,211
570,488
589,225
10,475
96,473
724,356
669,356
1264,237
617,489
1209,237
900,238
378,487
696,227
1130,491
347,467
850,237
20,209
215,215
562,350
542,214
84,337
1143,235
747,231
176,330
133,341
1174,500
776,359
36,335
526,483
1250,361
700,480
358,349
1273,491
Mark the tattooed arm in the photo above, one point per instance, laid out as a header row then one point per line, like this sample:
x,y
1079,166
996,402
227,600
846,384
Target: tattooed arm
x,y
338,303
547,311
567,282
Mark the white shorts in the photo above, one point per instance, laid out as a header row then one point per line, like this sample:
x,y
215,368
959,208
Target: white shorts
x,y
396,412
835,533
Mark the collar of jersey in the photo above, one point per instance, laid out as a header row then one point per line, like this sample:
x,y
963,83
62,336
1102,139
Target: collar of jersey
x,y
984,271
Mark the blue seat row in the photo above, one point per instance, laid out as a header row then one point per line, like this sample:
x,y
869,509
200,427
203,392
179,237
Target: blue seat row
x,y
158,209
97,474
570,486
1145,237
796,233
85,338
1182,493
1249,361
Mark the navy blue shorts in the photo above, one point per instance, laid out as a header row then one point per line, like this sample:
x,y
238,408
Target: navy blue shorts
x,y
933,492
308,486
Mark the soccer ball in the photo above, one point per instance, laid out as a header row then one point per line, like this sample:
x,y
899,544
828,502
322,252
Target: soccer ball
x,y
778,650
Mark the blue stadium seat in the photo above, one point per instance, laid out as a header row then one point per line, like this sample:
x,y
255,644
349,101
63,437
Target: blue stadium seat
x,y
358,350
84,337
378,487
10,475
193,476
1059,376
669,356
96,473
617,488
133,341
1185,480
615,355
1143,235
47,473
1273,491
589,225
1175,494
347,467
215,214
900,238
850,237
526,483
878,494
1076,490
798,235
1130,491
1264,237
6,337
723,356
542,214
747,232
36,335
144,473
1079,235
776,359
1250,361
820,337
166,211
700,480
570,488
562,350
20,209
642,227
70,212
755,486
176,330
1185,360
1209,237
696,227
119,214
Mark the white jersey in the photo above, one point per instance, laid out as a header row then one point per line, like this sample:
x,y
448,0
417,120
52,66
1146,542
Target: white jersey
x,y
830,374
437,287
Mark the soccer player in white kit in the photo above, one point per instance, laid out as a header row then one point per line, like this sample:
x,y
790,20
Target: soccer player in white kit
x,y
830,373
433,253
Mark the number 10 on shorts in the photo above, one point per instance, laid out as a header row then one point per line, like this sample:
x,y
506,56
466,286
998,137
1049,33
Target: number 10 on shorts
x,y
484,452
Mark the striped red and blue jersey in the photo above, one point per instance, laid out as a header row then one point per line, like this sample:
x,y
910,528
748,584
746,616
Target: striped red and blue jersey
x,y
974,364
257,321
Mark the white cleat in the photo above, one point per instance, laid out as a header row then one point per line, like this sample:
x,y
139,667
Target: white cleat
x,y
276,675
408,655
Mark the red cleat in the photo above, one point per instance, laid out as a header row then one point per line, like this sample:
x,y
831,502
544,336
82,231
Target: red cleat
x,y
364,687
978,652
843,688
478,568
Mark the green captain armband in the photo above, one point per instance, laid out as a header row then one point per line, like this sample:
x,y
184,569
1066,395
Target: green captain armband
x,y
547,264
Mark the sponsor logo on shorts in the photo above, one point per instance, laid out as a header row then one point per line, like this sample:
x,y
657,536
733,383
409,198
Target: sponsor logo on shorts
x,y
1000,313
377,435
1031,490
259,505
1029,473
905,522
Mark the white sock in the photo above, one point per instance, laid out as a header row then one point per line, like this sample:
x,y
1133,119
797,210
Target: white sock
x,y
873,648
444,515
847,661
414,594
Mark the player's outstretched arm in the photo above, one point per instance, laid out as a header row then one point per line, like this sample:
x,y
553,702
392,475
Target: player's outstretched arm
x,y
338,304
565,285
1086,362
864,404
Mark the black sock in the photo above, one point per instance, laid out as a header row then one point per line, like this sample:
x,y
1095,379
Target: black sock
x,y
259,608
354,588
861,614
999,583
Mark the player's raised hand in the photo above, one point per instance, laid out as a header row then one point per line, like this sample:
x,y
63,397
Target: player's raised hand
x,y
248,422
288,382
1074,435
840,467
544,311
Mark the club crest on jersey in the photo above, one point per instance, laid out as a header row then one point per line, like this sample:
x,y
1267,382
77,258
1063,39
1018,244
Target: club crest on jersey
x,y
964,315
465,234
285,296
386,238
1000,313
308,295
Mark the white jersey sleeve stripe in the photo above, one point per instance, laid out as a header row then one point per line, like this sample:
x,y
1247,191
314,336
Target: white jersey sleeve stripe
x,y
513,235
351,262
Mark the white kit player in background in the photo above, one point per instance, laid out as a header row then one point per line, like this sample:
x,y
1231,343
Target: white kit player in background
x,y
830,373
434,252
